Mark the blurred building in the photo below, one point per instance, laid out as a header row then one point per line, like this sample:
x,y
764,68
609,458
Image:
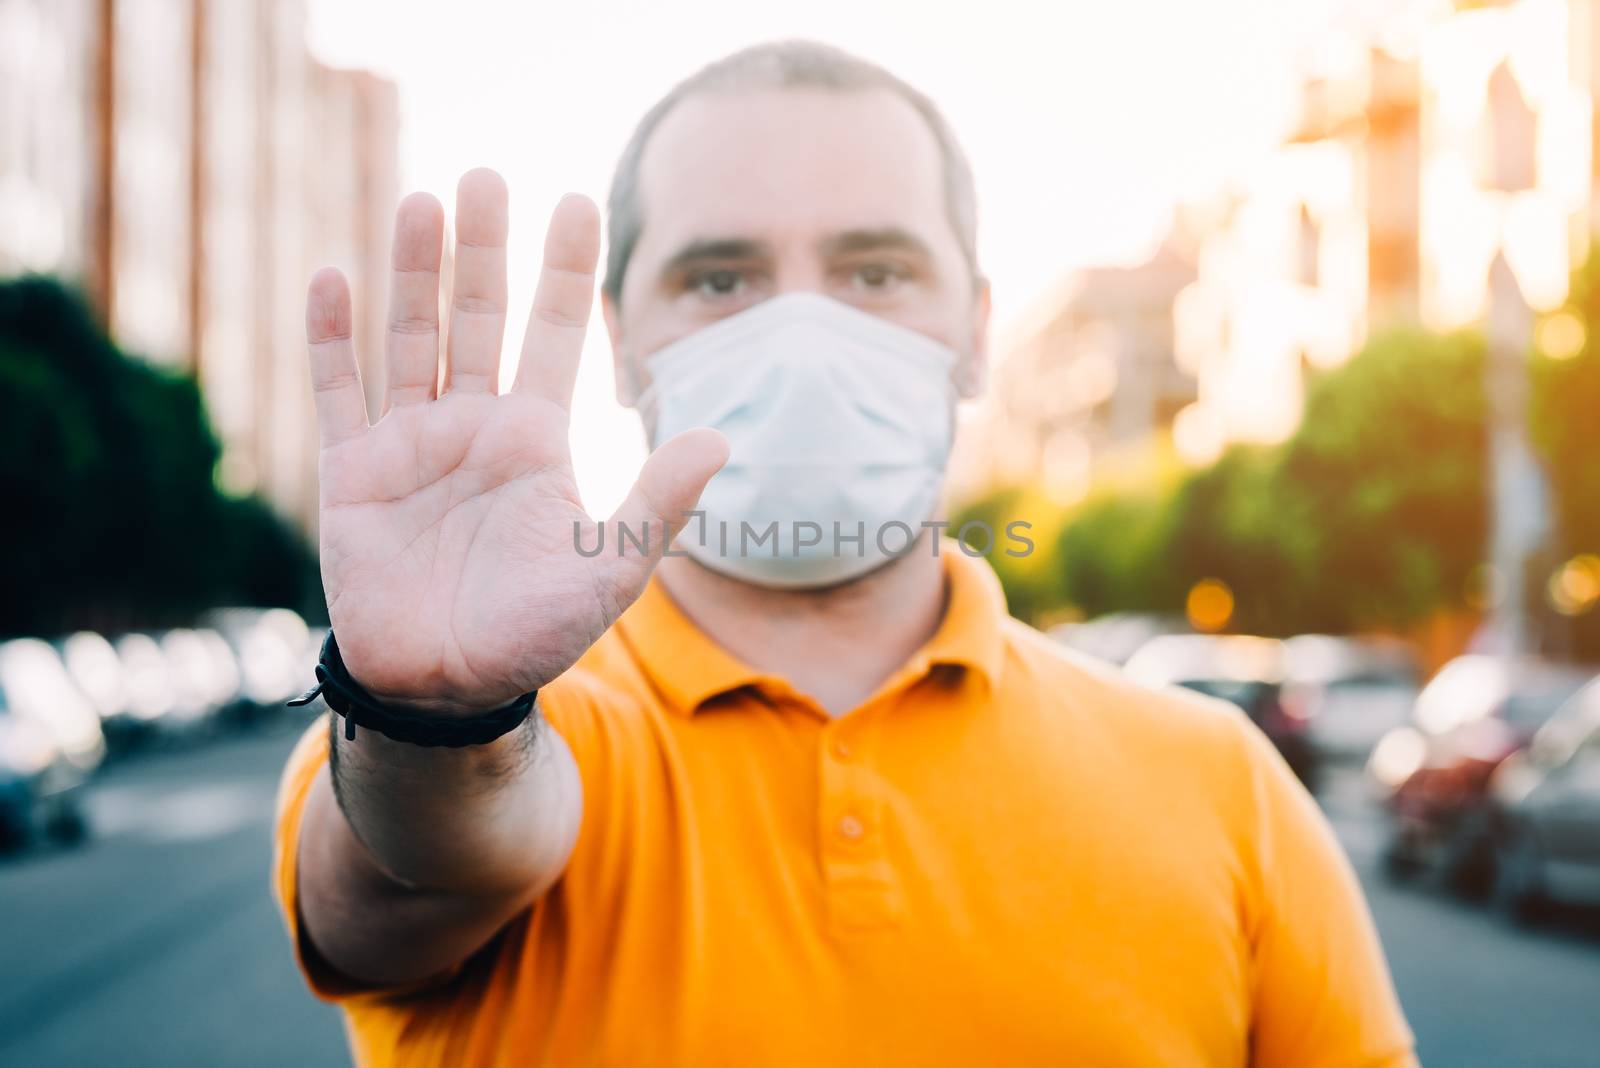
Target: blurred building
x,y
1443,172
1419,159
1426,148
1210,339
49,157
152,240
1089,372
1386,149
1509,137
190,163
1298,257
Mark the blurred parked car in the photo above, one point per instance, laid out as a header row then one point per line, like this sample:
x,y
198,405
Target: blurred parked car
x,y
1117,636
27,753
275,650
1546,803
1474,714
50,742
1350,691
1246,671
205,679
148,683
96,669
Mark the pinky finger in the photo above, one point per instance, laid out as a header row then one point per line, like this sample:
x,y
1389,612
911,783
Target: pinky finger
x,y
335,379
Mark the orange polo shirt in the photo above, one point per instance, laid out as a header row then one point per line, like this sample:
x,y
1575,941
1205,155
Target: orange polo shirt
x,y
1008,854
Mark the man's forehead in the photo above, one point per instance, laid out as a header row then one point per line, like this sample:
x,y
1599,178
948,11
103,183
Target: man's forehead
x,y
767,162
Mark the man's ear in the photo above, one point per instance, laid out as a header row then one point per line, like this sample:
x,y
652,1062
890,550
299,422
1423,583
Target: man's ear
x,y
973,371
627,376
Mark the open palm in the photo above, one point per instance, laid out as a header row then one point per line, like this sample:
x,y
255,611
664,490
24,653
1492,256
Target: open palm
x,y
447,528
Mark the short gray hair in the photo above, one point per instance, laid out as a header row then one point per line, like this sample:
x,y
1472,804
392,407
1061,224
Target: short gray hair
x,y
784,65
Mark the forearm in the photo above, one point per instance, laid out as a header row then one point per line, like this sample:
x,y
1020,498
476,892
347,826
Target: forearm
x,y
477,819
410,857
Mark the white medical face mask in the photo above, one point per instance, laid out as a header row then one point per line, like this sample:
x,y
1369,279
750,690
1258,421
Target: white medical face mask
x,y
840,425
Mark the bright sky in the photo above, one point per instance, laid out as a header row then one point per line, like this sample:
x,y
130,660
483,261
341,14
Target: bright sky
x,y
1084,119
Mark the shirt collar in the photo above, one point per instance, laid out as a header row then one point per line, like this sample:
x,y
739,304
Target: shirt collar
x,y
689,669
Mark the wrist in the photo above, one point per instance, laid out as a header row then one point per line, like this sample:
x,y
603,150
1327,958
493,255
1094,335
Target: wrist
x,y
426,697
440,707
428,722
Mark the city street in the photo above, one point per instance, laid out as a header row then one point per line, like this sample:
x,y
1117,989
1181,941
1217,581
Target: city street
x,y
156,943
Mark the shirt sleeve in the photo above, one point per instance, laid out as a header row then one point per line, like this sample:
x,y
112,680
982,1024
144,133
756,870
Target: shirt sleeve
x,y
1324,997
308,757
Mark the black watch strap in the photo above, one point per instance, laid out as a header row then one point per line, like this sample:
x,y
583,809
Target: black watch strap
x,y
346,696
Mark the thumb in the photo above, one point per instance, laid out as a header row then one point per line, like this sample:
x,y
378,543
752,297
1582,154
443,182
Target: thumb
x,y
658,506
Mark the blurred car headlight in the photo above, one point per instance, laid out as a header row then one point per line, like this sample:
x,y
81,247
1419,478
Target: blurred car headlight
x,y
94,666
189,665
38,688
1397,756
1514,780
150,691
1467,688
1300,703
26,748
222,668
287,624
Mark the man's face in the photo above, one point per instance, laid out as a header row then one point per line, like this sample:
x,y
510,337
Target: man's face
x,y
748,196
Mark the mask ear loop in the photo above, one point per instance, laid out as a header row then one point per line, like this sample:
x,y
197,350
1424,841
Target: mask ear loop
x,y
630,372
644,401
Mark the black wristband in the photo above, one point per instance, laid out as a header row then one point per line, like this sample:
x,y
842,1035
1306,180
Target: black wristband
x,y
347,697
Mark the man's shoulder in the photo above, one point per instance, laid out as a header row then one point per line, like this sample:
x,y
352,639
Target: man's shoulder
x,y
1061,681
1198,753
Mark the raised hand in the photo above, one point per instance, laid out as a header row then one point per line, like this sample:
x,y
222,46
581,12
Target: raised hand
x,y
447,528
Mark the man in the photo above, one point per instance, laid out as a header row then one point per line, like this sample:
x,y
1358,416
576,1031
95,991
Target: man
x,y
812,798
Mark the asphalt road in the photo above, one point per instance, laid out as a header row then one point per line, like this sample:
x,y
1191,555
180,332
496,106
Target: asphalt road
x,y
156,943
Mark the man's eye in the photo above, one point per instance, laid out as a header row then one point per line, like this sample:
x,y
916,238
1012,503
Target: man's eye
x,y
720,283
877,277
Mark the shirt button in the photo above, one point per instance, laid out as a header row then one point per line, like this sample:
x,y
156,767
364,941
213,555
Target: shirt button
x,y
851,828
841,749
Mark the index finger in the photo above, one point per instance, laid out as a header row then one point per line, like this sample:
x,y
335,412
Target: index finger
x,y
553,344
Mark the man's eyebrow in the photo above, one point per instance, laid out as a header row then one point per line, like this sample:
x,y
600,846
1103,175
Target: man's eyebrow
x,y
886,237
715,248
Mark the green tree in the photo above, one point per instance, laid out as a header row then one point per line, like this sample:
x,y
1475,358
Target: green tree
x,y
1566,433
1373,513
1032,582
1563,423
108,464
1387,511
1242,522
1113,553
